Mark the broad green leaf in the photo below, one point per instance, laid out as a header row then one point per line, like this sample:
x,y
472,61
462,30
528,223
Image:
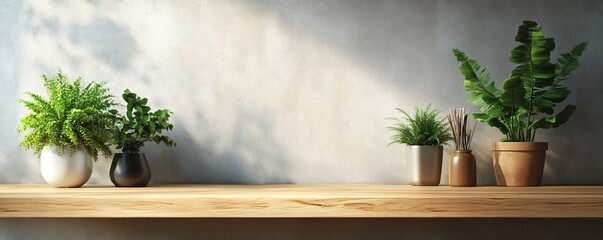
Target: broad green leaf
x,y
514,92
556,94
568,62
491,121
482,117
482,91
555,121
546,100
520,54
523,31
129,109
563,116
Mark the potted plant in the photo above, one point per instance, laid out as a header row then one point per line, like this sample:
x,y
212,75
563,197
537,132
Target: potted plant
x,y
132,131
462,165
424,134
525,103
68,129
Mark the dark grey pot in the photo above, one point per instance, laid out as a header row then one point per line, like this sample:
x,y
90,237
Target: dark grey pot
x,y
130,170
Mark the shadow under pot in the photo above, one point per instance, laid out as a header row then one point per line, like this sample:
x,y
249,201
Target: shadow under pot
x,y
130,170
424,165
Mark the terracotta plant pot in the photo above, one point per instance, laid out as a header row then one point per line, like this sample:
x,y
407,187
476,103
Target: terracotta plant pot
x,y
424,165
461,169
518,164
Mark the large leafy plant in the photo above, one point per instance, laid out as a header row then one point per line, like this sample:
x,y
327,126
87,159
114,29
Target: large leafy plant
x,y
71,117
423,128
528,98
140,125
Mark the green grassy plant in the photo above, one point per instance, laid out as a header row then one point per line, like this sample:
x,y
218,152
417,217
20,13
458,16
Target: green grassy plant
x,y
423,128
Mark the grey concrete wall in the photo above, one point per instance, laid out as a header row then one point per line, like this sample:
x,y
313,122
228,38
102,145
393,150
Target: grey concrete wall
x,y
290,91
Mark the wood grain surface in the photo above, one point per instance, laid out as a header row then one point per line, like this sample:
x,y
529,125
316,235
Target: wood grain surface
x,y
289,201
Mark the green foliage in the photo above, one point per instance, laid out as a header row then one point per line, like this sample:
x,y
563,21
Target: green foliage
x,y
424,128
140,125
529,96
71,117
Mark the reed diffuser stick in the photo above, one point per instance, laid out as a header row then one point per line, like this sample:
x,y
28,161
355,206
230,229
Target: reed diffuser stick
x,y
458,120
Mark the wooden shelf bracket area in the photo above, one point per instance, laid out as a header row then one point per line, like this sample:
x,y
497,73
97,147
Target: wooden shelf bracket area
x,y
295,201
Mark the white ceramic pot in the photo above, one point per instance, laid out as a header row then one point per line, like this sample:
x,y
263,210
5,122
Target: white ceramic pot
x,y
64,169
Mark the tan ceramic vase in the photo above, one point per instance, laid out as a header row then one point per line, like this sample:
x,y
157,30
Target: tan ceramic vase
x,y
461,169
518,164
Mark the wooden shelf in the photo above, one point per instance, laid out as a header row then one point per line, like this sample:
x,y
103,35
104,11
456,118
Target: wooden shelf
x,y
292,201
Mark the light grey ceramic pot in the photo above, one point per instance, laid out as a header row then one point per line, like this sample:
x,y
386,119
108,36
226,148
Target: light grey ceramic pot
x,y
424,165
62,168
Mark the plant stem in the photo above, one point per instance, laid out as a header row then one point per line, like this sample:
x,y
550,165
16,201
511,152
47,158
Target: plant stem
x,y
512,129
531,90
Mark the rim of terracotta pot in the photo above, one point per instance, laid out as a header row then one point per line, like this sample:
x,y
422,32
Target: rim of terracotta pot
x,y
519,146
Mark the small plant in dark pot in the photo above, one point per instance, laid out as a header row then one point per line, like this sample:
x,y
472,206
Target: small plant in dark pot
x,y
132,131
424,134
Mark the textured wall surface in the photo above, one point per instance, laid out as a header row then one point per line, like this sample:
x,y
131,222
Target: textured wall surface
x,y
291,91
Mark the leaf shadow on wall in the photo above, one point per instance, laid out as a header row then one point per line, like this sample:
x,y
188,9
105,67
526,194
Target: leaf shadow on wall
x,y
16,166
107,40
251,154
102,37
